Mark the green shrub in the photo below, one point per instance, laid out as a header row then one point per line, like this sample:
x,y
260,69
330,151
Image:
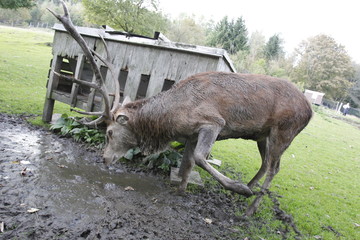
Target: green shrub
x,y
70,127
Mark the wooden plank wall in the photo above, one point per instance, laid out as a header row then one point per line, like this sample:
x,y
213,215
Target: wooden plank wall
x,y
141,63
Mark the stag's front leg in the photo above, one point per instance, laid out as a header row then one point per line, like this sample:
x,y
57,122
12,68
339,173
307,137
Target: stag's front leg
x,y
206,138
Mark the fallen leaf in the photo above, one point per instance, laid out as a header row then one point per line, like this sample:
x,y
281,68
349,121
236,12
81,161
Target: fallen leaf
x,y
128,188
33,210
208,220
2,226
25,162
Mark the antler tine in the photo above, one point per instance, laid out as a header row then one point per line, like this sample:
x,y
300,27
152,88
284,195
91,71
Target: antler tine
x,y
87,113
66,21
82,82
111,67
94,122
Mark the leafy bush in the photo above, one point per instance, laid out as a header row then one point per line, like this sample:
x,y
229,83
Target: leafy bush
x,y
163,160
67,126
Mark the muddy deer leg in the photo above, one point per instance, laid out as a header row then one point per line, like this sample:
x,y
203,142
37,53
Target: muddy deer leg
x,y
255,204
277,144
187,163
264,152
206,138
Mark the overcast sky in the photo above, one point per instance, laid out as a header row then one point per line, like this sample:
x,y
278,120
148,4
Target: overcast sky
x,y
294,20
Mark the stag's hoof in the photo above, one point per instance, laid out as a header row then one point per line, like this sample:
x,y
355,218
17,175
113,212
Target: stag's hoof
x,y
179,192
240,189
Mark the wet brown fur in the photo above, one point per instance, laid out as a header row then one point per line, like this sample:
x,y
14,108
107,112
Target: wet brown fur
x,y
244,105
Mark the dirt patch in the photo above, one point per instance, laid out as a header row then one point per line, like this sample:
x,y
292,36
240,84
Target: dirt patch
x,y
73,196
78,198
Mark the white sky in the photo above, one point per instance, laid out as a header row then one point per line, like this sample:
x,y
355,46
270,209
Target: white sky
x,y
294,20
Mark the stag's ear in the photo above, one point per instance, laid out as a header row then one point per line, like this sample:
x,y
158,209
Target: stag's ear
x,y
122,119
126,101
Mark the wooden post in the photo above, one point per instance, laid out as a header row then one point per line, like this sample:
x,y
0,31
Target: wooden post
x,y
52,84
90,101
77,74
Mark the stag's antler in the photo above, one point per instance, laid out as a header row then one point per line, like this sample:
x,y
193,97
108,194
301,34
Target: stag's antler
x,y
100,83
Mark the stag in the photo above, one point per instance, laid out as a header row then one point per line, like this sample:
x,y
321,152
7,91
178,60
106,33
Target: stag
x,y
198,111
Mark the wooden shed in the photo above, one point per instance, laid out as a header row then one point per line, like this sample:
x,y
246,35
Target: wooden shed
x,y
314,97
144,66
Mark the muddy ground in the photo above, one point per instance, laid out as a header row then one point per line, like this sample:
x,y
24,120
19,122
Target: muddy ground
x,y
54,188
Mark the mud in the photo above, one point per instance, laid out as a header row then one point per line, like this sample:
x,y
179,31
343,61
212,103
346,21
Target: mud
x,y
76,197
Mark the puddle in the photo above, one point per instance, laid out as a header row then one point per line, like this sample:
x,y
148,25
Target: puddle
x,y
71,179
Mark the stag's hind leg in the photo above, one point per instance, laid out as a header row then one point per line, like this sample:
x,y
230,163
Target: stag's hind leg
x,y
206,138
278,143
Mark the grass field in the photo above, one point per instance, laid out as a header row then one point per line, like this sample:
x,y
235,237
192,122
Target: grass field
x,y
319,176
24,64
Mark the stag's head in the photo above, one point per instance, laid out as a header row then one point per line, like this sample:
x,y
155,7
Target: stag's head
x,y
119,136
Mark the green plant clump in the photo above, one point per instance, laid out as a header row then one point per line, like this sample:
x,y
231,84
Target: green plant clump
x,y
163,160
69,126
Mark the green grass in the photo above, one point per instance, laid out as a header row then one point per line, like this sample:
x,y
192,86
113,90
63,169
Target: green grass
x,y
319,176
24,64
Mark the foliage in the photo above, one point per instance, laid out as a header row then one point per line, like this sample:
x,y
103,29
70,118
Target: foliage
x,y
185,29
273,48
324,65
132,16
354,91
230,35
263,58
67,126
163,160
15,4
38,15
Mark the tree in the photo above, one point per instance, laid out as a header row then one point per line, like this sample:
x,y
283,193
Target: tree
x,y
185,29
15,4
230,35
323,65
132,16
273,48
354,91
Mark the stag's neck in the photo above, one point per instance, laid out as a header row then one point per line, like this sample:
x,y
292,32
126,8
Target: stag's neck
x,y
153,124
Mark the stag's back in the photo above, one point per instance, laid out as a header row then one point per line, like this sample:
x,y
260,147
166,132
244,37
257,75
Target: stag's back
x,y
244,105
